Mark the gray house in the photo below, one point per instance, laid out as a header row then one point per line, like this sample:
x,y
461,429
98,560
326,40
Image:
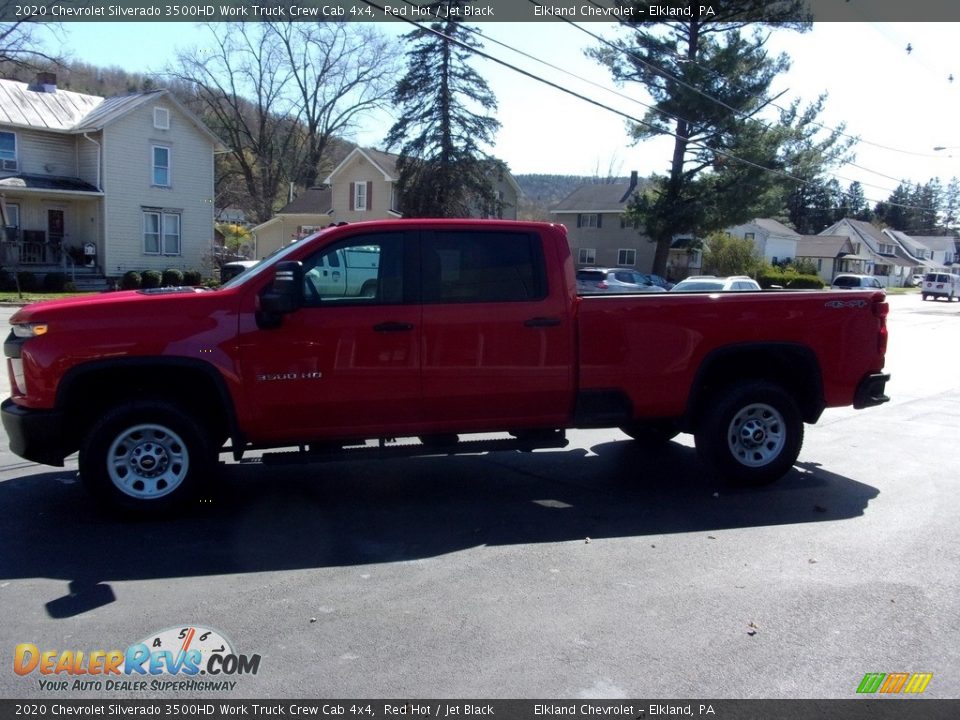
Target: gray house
x,y
104,184
597,228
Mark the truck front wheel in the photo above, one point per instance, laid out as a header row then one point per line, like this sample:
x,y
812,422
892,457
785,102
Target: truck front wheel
x,y
146,456
751,434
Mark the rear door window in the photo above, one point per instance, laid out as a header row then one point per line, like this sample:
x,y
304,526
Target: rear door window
x,y
482,267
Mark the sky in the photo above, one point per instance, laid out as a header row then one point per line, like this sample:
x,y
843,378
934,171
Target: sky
x,y
901,105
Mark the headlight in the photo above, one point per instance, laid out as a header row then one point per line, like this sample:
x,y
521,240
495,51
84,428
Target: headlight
x,y
29,330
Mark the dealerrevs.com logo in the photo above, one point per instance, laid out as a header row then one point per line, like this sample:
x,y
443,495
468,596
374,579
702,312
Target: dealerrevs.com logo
x,y
184,658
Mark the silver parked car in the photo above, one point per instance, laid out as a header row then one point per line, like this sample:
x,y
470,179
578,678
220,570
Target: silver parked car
x,y
591,281
709,283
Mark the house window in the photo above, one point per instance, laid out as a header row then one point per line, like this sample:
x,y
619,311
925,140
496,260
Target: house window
x,y
819,264
161,118
588,220
161,233
13,216
360,196
749,236
626,257
161,166
587,256
8,151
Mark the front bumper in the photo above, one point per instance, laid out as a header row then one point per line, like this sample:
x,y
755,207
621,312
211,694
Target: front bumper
x,y
870,391
35,435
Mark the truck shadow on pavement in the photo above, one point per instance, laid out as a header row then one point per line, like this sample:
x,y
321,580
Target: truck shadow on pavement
x,y
260,518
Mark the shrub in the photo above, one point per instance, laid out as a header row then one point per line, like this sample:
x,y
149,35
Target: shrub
x,y
28,281
192,278
70,287
172,277
150,279
131,280
788,278
53,282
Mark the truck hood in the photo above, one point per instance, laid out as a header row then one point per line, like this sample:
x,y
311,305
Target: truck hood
x,y
105,303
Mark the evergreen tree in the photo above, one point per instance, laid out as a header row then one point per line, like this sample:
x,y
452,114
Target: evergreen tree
x,y
708,79
445,123
951,207
895,210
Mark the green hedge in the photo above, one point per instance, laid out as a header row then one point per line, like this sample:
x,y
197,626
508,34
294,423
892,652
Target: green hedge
x,y
789,279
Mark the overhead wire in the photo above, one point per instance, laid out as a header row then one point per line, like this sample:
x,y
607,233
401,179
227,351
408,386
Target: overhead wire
x,y
823,126
717,152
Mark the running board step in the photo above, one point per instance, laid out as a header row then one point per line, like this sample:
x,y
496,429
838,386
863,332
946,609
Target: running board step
x,y
386,450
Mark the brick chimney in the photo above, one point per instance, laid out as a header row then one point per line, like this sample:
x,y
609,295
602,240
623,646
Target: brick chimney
x,y
631,188
45,82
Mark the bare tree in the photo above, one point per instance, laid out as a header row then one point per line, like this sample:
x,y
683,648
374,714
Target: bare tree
x,y
277,93
341,72
20,45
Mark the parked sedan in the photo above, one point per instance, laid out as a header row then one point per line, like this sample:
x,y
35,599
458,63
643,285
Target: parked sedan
x,y
592,281
709,283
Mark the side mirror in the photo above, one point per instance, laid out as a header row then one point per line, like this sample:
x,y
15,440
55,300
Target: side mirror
x,y
284,296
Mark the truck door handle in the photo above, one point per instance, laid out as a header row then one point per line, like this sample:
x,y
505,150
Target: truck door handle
x,y
393,327
541,322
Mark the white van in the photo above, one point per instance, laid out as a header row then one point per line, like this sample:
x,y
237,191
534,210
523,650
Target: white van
x,y
941,284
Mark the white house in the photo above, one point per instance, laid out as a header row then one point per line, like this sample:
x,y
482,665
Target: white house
x,y
775,242
129,179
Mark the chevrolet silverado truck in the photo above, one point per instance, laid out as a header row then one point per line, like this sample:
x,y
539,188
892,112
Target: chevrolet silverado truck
x,y
472,327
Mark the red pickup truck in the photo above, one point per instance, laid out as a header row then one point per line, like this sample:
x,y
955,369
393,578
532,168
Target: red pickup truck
x,y
470,327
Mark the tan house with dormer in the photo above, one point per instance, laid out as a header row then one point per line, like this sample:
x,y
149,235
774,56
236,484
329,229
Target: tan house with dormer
x,y
364,188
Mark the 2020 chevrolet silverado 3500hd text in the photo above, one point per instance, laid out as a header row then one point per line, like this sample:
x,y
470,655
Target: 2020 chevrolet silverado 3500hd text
x,y
459,327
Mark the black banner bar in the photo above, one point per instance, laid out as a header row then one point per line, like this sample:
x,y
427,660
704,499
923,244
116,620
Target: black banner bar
x,y
477,11
858,709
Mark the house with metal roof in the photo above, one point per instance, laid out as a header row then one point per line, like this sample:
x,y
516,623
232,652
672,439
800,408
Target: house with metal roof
x,y
100,186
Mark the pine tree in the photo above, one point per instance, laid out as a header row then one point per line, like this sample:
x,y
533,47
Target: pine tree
x,y
445,123
708,80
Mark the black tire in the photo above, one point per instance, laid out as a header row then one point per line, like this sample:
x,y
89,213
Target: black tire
x,y
925,296
751,433
146,457
651,434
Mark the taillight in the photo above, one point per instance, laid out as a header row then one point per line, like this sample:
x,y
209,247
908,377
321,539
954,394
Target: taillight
x,y
880,310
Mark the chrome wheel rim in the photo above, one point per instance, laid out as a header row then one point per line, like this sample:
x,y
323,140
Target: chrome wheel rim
x,y
148,461
757,435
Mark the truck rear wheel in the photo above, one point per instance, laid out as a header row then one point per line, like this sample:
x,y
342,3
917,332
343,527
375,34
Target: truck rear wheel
x,y
147,457
752,433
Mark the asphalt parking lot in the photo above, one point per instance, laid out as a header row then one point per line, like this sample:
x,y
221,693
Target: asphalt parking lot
x,y
598,571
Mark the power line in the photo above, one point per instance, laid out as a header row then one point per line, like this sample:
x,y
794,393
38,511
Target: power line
x,y
608,108
739,87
